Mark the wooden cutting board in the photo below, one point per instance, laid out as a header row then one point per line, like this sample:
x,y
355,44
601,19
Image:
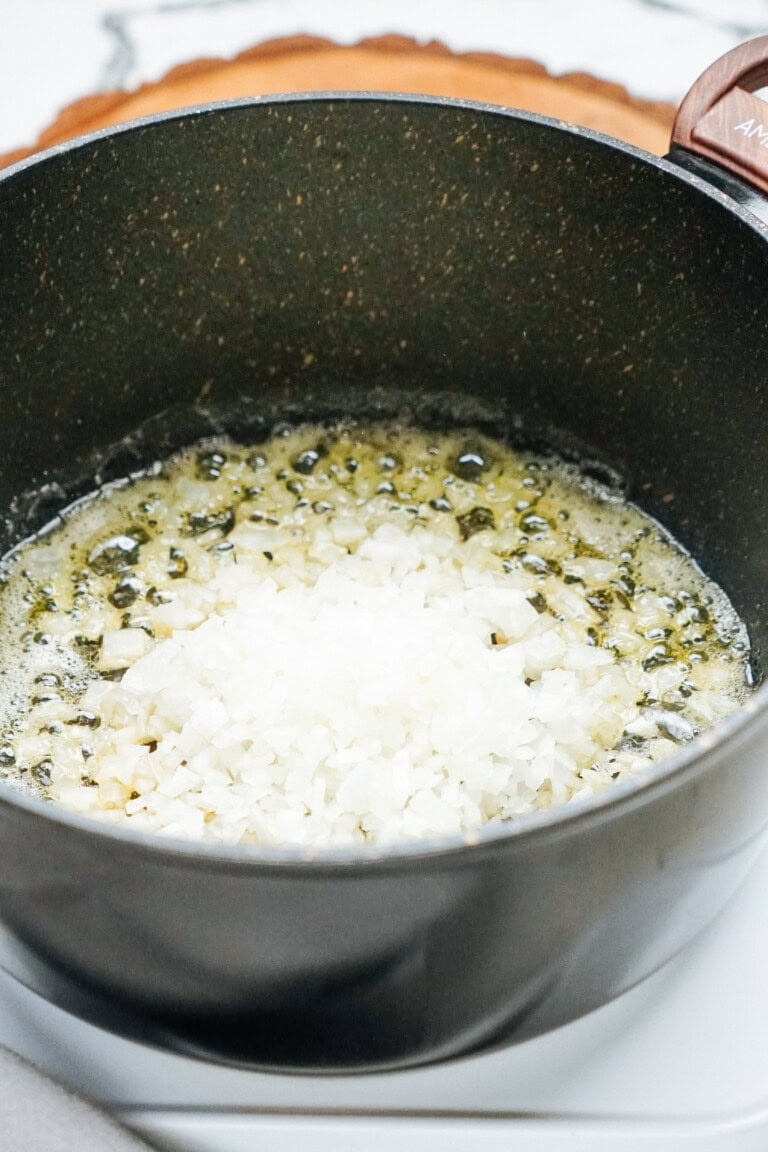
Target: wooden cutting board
x,y
384,64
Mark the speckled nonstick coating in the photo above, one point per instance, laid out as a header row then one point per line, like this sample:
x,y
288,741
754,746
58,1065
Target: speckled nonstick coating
x,y
311,256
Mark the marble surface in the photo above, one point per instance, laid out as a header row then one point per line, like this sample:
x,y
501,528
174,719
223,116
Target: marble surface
x,y
54,51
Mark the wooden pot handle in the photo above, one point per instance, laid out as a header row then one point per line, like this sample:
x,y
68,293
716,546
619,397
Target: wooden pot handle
x,y
722,120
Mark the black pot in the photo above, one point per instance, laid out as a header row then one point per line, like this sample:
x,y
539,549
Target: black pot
x,y
308,256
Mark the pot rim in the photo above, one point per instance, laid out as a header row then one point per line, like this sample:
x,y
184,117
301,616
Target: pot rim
x,y
692,760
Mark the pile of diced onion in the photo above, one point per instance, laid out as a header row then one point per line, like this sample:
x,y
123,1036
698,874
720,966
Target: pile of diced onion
x,y
351,636
405,688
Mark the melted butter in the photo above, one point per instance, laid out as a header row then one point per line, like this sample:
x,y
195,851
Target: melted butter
x,y
580,552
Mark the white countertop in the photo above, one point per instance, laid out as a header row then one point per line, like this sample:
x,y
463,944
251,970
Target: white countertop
x,y
54,51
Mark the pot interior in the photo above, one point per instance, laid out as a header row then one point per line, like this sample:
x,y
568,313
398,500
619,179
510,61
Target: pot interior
x,y
316,257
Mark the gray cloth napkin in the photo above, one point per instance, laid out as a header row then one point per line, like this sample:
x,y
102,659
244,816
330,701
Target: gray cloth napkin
x,y
39,1115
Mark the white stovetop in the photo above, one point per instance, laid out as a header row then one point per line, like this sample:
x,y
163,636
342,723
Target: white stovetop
x,y
54,51
679,1064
